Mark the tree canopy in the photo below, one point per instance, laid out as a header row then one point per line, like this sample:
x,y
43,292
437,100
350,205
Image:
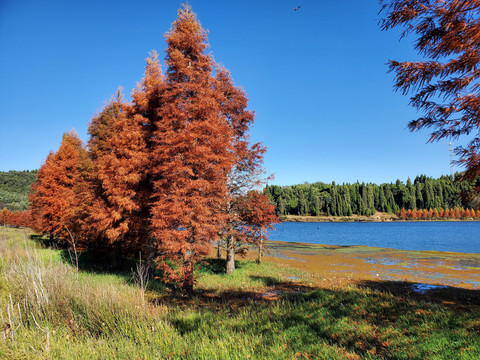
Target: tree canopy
x,y
162,175
445,85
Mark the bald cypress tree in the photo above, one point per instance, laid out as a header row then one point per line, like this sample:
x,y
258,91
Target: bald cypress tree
x,y
118,152
246,172
445,83
56,200
147,105
191,153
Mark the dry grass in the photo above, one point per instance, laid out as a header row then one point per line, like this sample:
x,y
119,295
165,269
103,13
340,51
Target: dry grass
x,y
40,293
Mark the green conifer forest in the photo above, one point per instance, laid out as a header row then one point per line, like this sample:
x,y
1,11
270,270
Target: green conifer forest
x,y
366,198
14,188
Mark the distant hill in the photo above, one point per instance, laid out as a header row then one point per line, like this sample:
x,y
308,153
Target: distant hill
x,y
14,188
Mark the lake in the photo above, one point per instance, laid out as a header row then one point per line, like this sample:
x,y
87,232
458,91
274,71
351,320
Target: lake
x,y
456,236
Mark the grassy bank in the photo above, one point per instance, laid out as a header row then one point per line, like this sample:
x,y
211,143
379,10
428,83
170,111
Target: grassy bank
x,y
49,311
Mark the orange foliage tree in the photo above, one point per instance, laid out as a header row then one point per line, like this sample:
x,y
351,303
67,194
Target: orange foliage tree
x,y
414,214
147,107
166,174
39,196
468,213
192,154
409,213
55,200
14,218
445,84
4,217
117,149
247,171
446,213
457,213
452,213
258,215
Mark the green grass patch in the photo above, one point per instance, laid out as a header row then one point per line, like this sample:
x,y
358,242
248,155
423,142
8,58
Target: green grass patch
x,y
260,312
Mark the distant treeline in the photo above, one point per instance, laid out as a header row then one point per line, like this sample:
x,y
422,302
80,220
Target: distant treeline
x,y
14,188
364,199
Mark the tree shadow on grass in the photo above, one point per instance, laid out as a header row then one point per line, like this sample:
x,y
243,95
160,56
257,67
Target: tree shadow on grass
x,y
201,298
376,319
266,280
216,266
44,241
99,262
449,296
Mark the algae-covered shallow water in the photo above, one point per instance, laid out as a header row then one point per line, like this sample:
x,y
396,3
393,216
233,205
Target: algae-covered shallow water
x,y
455,236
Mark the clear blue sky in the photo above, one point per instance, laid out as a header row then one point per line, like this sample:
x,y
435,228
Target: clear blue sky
x,y
317,79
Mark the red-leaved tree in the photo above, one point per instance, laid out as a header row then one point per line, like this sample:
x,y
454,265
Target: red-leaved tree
x,y
55,199
247,172
192,154
446,84
119,157
4,217
258,215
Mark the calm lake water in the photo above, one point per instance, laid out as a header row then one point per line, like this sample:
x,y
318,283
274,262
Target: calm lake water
x,y
456,236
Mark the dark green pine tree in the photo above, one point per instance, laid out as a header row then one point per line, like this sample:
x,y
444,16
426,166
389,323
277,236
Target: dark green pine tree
x,y
348,203
340,202
376,193
392,207
280,208
334,205
353,198
370,199
429,195
419,196
302,203
382,202
313,203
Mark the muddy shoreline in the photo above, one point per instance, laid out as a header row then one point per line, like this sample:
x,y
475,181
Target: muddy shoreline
x,y
361,263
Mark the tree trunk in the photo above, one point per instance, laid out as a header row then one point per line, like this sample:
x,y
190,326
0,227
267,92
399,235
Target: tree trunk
x,y
150,257
230,264
116,258
260,249
187,286
219,249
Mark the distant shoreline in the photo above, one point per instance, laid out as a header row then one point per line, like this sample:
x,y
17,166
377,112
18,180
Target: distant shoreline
x,y
378,217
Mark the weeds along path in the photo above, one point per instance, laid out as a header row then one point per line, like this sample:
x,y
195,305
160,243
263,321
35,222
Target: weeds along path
x,y
261,312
